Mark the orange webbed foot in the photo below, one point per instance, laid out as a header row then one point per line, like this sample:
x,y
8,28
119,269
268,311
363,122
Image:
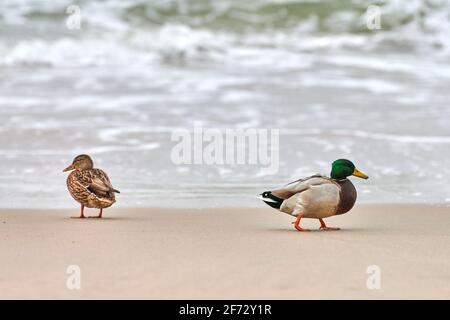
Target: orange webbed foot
x,y
296,224
324,227
329,228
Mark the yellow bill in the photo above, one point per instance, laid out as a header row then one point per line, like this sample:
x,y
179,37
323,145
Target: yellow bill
x,y
360,174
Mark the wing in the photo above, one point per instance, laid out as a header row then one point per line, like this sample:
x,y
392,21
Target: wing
x,y
299,186
100,184
314,197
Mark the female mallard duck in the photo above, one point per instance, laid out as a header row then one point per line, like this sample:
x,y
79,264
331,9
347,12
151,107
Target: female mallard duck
x,y
317,196
90,187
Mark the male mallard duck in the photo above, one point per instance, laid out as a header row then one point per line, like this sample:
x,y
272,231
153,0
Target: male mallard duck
x,y
317,196
90,187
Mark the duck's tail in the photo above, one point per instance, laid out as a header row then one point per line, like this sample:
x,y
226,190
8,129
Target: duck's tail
x,y
271,199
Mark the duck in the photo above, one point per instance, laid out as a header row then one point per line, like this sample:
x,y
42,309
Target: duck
x,y
89,186
317,196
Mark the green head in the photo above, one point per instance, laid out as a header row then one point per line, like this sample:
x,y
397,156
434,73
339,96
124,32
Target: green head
x,y
343,168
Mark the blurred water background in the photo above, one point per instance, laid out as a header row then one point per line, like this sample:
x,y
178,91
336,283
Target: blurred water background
x,y
137,70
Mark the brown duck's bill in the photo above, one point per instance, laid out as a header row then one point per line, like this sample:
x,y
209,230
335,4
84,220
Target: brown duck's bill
x,y
360,174
69,168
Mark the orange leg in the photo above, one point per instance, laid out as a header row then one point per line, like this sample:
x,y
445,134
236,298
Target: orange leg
x,y
81,215
99,216
297,224
323,226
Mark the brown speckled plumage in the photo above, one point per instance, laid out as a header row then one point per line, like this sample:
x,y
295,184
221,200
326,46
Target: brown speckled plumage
x,y
89,186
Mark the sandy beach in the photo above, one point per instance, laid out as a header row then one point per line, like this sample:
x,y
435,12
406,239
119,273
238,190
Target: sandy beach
x,y
225,254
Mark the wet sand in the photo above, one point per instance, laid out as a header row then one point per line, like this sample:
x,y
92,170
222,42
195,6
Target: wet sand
x,y
226,254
